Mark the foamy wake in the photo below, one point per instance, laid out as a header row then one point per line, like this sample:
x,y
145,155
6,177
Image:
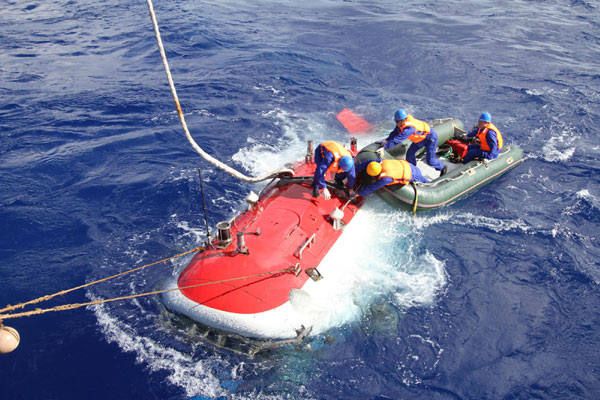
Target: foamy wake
x,y
288,144
377,255
480,221
194,376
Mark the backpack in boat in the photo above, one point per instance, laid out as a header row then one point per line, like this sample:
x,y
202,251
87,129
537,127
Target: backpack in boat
x,y
459,148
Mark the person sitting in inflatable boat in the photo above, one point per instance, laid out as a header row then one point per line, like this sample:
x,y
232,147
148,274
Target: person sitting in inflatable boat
x,y
418,132
488,137
390,172
332,156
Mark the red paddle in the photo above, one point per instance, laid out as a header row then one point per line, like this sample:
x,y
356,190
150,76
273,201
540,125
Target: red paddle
x,y
352,122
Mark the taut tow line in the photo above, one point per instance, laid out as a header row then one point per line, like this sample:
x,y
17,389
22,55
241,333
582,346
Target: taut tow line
x,y
50,296
206,156
9,337
73,306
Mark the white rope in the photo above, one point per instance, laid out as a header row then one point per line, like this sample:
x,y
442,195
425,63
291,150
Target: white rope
x,y
198,149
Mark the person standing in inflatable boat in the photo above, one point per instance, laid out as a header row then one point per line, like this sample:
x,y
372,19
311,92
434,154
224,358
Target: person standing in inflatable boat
x,y
418,132
390,172
489,138
332,157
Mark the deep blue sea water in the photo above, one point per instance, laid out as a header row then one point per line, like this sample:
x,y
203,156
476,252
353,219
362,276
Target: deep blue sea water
x,y
493,297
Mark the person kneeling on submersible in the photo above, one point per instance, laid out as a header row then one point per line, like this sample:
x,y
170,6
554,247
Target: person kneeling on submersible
x,y
391,172
488,137
332,157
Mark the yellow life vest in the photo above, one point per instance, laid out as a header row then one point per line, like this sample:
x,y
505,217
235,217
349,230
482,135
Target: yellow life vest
x,y
398,170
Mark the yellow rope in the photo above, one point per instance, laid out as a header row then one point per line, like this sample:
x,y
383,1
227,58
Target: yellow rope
x,y
133,296
414,211
49,296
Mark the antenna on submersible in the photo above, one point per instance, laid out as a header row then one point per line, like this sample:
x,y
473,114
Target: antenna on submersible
x,y
204,204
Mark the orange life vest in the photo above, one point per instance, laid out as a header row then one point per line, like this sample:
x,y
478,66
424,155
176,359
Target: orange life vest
x,y
482,136
338,152
421,127
398,170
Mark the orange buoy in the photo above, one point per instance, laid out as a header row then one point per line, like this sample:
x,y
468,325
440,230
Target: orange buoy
x,y
9,339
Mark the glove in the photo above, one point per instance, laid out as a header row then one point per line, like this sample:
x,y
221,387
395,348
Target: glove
x,y
380,152
315,192
326,194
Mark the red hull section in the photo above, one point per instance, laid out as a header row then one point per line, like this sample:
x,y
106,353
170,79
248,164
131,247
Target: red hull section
x,y
286,229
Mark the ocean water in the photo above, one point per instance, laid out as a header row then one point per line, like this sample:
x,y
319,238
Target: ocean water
x,y
493,297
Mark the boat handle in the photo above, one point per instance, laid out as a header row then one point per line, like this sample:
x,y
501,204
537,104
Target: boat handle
x,y
308,242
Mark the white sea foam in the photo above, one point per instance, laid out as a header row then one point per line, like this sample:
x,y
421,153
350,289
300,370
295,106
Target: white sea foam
x,y
377,255
194,376
494,224
560,148
290,145
539,91
585,194
268,88
373,258
196,234
280,149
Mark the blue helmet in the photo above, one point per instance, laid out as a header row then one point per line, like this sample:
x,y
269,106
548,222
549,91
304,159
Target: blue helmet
x,y
346,163
486,117
400,115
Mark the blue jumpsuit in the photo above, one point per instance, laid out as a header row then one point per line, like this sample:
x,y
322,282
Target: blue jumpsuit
x,y
396,137
474,150
417,176
324,158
